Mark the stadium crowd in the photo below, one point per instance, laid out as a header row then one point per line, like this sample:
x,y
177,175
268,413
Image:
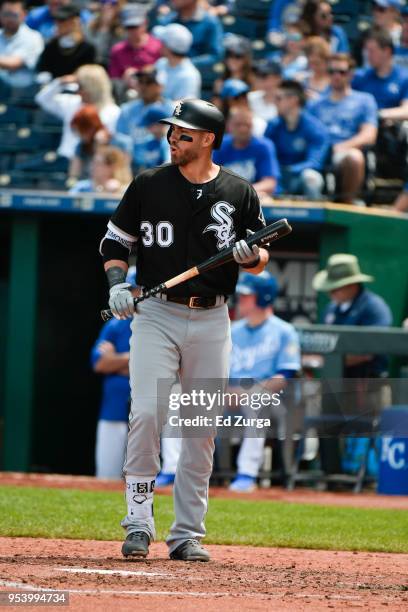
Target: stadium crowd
x,y
315,94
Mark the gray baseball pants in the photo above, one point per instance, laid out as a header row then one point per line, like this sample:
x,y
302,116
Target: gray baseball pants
x,y
170,339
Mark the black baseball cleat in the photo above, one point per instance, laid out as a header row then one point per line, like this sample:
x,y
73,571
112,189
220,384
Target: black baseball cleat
x,y
136,545
190,550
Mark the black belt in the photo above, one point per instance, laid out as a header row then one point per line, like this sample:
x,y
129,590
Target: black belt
x,y
193,302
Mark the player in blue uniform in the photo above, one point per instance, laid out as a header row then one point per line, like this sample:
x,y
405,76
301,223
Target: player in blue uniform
x,y
110,356
266,349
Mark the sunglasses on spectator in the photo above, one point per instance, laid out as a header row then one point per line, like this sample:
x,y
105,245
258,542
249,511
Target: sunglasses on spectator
x,y
234,55
324,15
343,72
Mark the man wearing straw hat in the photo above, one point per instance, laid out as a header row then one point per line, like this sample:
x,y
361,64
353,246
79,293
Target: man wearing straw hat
x,y
352,304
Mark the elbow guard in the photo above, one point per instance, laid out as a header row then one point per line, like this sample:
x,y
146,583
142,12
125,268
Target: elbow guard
x,y
116,244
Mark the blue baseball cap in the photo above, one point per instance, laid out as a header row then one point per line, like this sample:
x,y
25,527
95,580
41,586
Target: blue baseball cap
x,y
153,115
131,276
232,88
263,285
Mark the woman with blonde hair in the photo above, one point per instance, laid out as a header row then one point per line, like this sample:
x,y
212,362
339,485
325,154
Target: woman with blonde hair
x,y
92,87
318,53
110,172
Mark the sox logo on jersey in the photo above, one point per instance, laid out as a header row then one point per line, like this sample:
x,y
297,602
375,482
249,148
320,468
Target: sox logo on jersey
x,y
224,228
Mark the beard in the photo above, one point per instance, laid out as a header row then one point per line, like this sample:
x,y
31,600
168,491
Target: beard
x,y
183,158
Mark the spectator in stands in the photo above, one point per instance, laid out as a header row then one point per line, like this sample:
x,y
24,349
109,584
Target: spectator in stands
x,y
238,58
268,75
386,82
353,304
131,134
94,87
292,59
317,20
87,124
206,29
153,150
281,13
301,143
317,83
105,30
351,121
42,18
386,15
179,76
20,46
234,94
251,157
140,48
401,50
237,61
110,172
68,50
110,357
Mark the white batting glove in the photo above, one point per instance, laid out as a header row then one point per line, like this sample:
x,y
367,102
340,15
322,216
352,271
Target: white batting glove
x,y
121,301
244,255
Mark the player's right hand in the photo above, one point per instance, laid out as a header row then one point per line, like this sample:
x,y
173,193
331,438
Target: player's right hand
x,y
121,301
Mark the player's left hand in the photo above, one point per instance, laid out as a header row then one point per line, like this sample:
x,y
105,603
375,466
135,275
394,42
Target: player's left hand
x,y
244,255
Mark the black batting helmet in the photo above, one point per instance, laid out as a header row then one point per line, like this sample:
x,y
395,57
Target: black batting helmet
x,y
197,114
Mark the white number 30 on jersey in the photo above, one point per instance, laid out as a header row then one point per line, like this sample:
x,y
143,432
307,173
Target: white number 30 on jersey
x,y
163,233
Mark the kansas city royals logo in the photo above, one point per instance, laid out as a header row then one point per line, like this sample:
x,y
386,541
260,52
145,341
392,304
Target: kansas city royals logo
x,y
224,228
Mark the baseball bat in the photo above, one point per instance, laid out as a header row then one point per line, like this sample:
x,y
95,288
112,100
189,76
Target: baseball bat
x,y
267,234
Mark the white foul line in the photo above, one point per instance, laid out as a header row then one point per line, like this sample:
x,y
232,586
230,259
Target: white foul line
x,y
89,570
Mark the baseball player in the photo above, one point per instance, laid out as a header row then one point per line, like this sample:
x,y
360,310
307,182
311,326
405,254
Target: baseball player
x,y
110,356
266,349
176,216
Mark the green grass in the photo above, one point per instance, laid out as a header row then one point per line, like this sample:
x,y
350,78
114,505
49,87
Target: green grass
x,y
66,513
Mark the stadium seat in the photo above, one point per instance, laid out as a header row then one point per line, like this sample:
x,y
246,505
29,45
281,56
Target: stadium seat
x,y
14,115
236,24
27,139
258,9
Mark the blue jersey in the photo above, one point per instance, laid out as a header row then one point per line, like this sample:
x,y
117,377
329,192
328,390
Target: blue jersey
x,y
344,118
131,134
254,162
388,91
367,308
264,351
303,147
116,388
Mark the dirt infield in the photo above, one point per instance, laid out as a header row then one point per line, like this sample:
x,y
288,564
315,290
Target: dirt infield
x,y
238,578
299,496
